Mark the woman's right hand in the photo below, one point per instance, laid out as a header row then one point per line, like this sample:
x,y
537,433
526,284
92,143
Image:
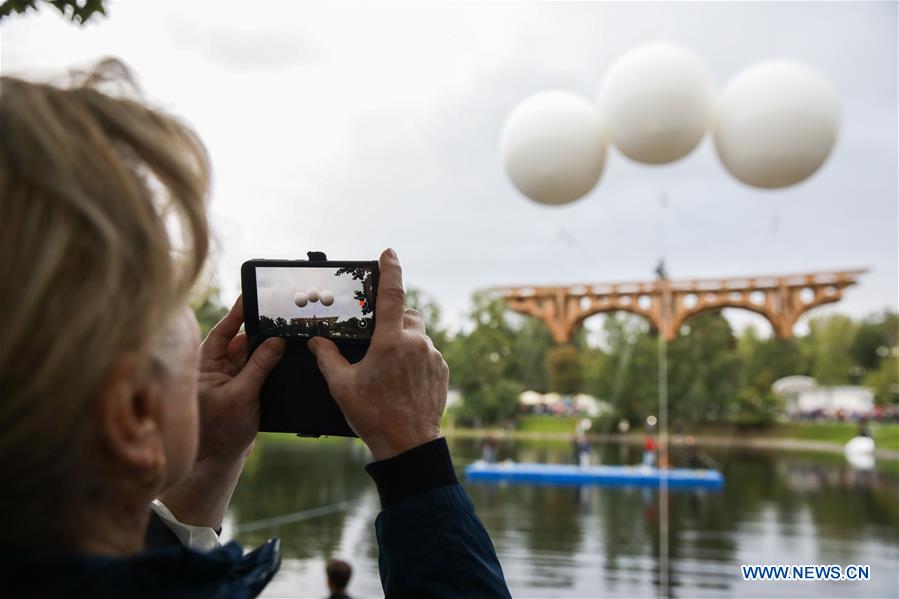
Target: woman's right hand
x,y
395,396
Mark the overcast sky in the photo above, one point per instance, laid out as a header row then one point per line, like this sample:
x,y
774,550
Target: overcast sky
x,y
350,128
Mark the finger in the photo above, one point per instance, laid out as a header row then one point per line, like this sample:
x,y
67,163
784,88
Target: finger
x,y
216,344
412,320
389,306
330,361
249,380
237,351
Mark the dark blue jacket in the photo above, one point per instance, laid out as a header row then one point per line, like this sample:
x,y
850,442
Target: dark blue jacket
x,y
432,544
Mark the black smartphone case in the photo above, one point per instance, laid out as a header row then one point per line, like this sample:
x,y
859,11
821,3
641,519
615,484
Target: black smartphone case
x,y
295,396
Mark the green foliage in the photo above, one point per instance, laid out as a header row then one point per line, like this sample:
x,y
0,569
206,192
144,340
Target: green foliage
x,y
713,376
885,435
885,382
624,371
564,369
874,339
826,346
209,309
594,364
548,424
490,404
703,368
766,360
79,11
756,409
527,357
480,364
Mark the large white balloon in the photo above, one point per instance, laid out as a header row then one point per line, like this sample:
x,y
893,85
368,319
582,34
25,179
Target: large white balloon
x,y
656,102
776,123
300,299
553,147
326,297
312,294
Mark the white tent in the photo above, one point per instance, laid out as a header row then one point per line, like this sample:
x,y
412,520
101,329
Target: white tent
x,y
792,386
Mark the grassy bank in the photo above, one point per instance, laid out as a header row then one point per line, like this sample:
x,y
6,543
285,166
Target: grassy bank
x,y
800,436
885,435
812,436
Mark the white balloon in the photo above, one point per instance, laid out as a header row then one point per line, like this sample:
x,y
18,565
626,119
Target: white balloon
x,y
312,294
656,102
553,147
300,299
326,297
776,123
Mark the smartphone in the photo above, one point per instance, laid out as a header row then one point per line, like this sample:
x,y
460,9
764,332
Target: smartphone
x,y
298,300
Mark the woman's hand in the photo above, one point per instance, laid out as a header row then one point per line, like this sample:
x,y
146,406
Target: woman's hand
x,y
394,397
229,388
230,383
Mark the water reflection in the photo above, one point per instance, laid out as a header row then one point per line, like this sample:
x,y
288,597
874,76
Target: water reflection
x,y
594,541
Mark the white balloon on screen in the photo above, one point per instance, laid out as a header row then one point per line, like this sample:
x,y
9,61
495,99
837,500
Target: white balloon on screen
x,y
776,123
326,297
656,102
300,299
553,147
312,294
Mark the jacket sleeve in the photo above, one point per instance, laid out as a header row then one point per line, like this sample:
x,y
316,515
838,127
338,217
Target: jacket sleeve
x,y
432,543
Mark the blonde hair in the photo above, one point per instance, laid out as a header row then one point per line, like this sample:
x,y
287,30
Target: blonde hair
x,y
103,232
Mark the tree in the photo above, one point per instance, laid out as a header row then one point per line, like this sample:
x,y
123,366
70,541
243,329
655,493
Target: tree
x,y
885,382
625,371
564,371
703,368
594,367
874,339
480,364
527,356
363,274
79,11
767,360
826,345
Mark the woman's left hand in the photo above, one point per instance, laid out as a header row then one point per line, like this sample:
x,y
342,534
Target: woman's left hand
x,y
229,387
230,383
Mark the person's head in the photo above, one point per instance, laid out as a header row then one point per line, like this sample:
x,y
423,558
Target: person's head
x,y
103,232
339,573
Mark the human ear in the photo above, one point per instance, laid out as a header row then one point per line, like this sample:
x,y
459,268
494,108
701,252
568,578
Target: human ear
x,y
129,406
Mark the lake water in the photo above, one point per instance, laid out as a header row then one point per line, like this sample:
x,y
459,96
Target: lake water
x,y
775,508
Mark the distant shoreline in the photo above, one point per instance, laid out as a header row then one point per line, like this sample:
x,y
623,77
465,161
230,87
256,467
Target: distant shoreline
x,y
743,441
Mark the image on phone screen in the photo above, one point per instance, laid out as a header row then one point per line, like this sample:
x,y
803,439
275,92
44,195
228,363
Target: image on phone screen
x,y
315,301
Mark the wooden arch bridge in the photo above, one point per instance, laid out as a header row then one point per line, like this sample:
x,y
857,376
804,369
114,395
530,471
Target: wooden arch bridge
x,y
668,304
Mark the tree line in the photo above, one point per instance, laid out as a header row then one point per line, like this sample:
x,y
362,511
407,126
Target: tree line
x,y
714,373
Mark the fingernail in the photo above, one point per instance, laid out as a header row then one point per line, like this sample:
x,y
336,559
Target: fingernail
x,y
392,253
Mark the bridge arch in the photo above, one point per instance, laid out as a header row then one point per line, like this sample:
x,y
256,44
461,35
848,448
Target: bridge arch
x,y
668,304
688,314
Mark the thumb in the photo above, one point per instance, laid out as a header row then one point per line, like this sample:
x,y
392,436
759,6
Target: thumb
x,y
263,360
331,362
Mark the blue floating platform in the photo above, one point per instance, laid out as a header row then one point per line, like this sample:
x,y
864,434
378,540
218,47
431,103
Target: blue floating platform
x,y
612,476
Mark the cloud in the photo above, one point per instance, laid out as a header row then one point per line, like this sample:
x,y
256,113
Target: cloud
x,y
244,48
350,130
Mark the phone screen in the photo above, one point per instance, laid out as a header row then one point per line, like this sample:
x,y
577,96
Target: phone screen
x,y
308,301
